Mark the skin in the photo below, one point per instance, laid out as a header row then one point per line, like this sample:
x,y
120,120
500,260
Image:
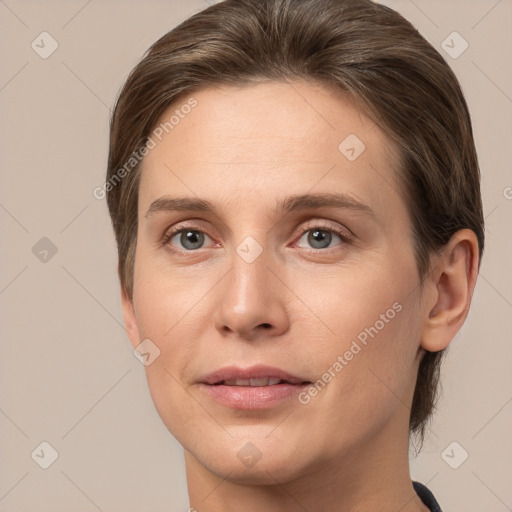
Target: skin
x,y
244,149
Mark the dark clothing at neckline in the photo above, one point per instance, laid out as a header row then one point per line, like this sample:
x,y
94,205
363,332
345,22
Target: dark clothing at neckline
x,y
426,497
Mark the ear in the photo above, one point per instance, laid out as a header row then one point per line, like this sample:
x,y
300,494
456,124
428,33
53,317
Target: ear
x,y
130,320
449,289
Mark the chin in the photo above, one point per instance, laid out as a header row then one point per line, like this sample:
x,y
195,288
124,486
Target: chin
x,y
256,462
266,471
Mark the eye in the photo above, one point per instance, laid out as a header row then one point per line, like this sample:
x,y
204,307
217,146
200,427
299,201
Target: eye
x,y
190,239
320,237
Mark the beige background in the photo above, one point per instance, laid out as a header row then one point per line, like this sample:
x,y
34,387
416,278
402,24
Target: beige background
x,y
67,372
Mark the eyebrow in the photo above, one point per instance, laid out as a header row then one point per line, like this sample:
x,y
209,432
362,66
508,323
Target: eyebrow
x,y
283,206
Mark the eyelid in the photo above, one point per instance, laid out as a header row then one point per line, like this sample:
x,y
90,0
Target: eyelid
x,y
195,225
344,233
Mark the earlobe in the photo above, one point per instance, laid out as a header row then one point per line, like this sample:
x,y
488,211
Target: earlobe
x,y
130,320
449,288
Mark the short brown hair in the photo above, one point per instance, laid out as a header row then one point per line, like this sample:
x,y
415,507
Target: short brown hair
x,y
367,50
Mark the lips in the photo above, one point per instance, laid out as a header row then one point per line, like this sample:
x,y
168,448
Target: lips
x,y
258,375
258,387
263,381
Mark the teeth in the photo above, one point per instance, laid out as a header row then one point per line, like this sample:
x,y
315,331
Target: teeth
x,y
263,381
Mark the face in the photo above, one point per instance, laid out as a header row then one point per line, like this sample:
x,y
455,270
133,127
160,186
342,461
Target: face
x,y
289,261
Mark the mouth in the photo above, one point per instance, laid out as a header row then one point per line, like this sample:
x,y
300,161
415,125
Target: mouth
x,y
257,387
263,381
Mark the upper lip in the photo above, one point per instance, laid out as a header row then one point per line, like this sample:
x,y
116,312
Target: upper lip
x,y
254,372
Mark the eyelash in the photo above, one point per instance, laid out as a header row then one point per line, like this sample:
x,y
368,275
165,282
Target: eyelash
x,y
343,236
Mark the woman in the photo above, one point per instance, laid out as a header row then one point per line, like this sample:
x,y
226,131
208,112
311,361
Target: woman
x,y
294,189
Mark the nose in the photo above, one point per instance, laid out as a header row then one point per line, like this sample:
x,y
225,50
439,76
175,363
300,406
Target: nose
x,y
251,301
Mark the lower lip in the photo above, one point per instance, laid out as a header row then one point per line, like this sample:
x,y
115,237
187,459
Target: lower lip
x,y
252,397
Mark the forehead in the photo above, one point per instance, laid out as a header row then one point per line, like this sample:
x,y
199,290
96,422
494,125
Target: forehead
x,y
270,138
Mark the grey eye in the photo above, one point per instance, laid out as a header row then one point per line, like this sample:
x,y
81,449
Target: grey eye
x,y
319,238
190,239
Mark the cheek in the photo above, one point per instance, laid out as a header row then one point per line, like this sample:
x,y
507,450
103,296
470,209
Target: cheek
x,y
171,311
162,318
352,302
165,298
374,354
367,388
366,357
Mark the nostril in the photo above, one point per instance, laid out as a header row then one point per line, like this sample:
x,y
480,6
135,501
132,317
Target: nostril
x,y
266,326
